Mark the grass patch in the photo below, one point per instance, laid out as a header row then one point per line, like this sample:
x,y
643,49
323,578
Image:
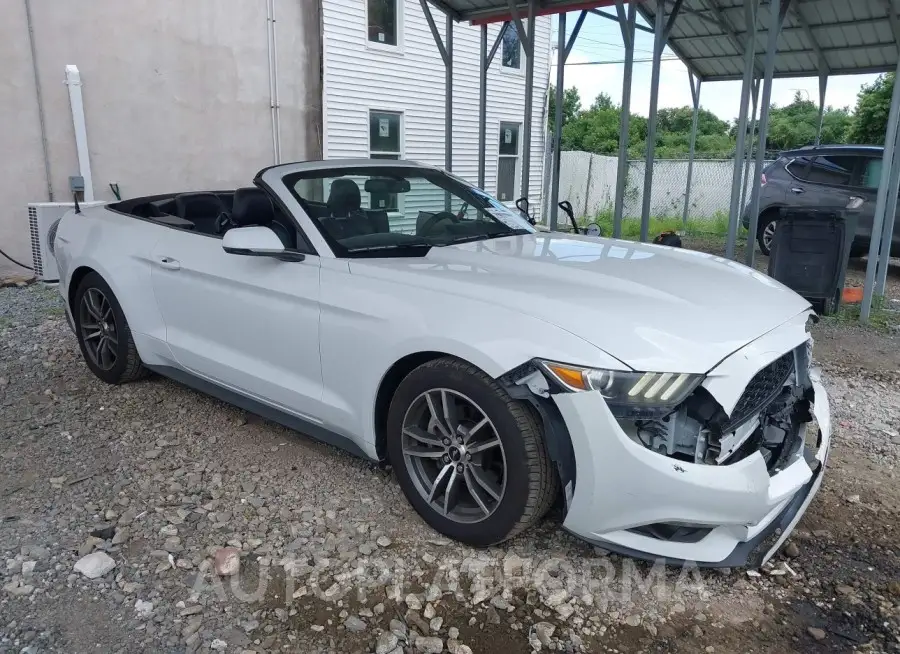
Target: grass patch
x,y
631,227
881,318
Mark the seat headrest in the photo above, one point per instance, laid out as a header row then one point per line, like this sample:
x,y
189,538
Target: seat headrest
x,y
198,205
343,197
252,207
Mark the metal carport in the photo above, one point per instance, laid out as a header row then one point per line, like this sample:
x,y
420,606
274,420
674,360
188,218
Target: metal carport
x,y
751,40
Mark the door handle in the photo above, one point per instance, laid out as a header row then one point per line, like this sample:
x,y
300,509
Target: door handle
x,y
797,190
169,263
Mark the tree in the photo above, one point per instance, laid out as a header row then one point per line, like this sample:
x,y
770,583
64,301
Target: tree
x,y
571,106
872,107
602,101
681,119
795,125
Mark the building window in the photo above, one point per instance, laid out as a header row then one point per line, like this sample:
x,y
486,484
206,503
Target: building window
x,y
384,143
508,160
512,48
383,21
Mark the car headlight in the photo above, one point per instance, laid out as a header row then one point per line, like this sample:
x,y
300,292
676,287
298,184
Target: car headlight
x,y
639,395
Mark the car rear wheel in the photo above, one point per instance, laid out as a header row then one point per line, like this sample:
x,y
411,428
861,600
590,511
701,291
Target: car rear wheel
x,y
103,334
470,459
766,233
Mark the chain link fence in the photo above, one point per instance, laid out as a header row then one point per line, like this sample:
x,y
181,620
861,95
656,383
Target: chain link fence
x,y
588,181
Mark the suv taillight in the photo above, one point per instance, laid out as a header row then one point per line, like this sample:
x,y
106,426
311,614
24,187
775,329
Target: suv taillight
x,y
762,179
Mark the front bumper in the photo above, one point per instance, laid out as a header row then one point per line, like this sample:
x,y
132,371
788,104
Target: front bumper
x,y
620,485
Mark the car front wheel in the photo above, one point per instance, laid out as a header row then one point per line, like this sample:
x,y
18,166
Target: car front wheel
x,y
766,234
470,459
103,333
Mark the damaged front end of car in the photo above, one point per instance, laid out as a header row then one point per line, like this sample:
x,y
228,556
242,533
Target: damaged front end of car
x,y
769,418
714,469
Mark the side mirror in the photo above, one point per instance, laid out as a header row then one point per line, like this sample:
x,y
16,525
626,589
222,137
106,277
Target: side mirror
x,y
257,241
522,206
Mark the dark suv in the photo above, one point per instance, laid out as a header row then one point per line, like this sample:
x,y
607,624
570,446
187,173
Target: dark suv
x,y
822,176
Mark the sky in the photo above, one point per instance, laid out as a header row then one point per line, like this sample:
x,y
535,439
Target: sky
x,y
601,40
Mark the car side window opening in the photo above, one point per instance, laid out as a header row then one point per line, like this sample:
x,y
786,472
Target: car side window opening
x,y
512,48
871,172
353,227
383,21
834,170
507,161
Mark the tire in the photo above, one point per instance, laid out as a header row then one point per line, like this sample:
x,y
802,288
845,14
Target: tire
x,y
762,237
529,480
119,361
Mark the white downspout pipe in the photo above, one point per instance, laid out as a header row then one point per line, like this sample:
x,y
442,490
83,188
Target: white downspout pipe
x,y
73,81
272,44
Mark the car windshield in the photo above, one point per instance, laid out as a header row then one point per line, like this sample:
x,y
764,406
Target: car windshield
x,y
399,210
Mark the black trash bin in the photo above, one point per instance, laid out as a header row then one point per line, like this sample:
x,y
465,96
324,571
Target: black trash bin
x,y
810,252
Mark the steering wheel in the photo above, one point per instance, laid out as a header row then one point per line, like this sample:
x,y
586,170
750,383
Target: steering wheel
x,y
436,218
223,223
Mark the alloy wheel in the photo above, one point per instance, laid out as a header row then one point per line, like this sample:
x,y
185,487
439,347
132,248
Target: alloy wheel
x,y
454,455
769,235
98,329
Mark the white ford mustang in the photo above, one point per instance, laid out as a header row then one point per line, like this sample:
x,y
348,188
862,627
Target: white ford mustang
x,y
662,396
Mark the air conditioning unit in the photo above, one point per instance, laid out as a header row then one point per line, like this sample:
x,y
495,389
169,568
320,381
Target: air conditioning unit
x,y
43,218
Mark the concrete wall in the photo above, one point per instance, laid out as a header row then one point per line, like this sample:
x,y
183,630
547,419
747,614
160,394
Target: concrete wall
x,y
176,97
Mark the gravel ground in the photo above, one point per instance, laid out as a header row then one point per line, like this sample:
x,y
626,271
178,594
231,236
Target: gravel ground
x,y
165,488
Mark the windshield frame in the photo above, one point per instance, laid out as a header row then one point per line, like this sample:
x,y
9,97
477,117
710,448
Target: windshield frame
x,y
475,198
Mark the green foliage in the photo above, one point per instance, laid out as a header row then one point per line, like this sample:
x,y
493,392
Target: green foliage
x,y
597,128
871,115
795,125
571,106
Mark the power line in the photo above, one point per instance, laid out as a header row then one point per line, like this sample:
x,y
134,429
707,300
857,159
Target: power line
x,y
619,61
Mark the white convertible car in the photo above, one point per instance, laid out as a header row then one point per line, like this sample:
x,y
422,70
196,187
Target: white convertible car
x,y
663,397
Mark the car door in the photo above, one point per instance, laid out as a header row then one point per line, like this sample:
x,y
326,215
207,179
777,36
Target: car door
x,y
249,323
823,180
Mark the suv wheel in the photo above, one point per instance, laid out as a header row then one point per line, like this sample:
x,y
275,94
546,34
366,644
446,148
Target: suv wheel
x,y
470,459
766,233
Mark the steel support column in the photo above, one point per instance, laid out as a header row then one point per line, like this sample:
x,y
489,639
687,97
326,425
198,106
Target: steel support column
x,y
889,161
528,46
482,105
890,215
777,9
557,119
448,95
627,27
823,85
661,31
484,64
445,47
751,136
563,48
695,96
737,175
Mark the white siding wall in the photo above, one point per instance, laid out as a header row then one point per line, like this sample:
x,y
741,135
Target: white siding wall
x,y
359,76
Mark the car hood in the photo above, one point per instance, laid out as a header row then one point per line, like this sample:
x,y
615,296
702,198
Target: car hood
x,y
652,307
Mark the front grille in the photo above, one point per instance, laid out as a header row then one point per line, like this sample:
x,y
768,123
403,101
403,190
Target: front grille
x,y
761,391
